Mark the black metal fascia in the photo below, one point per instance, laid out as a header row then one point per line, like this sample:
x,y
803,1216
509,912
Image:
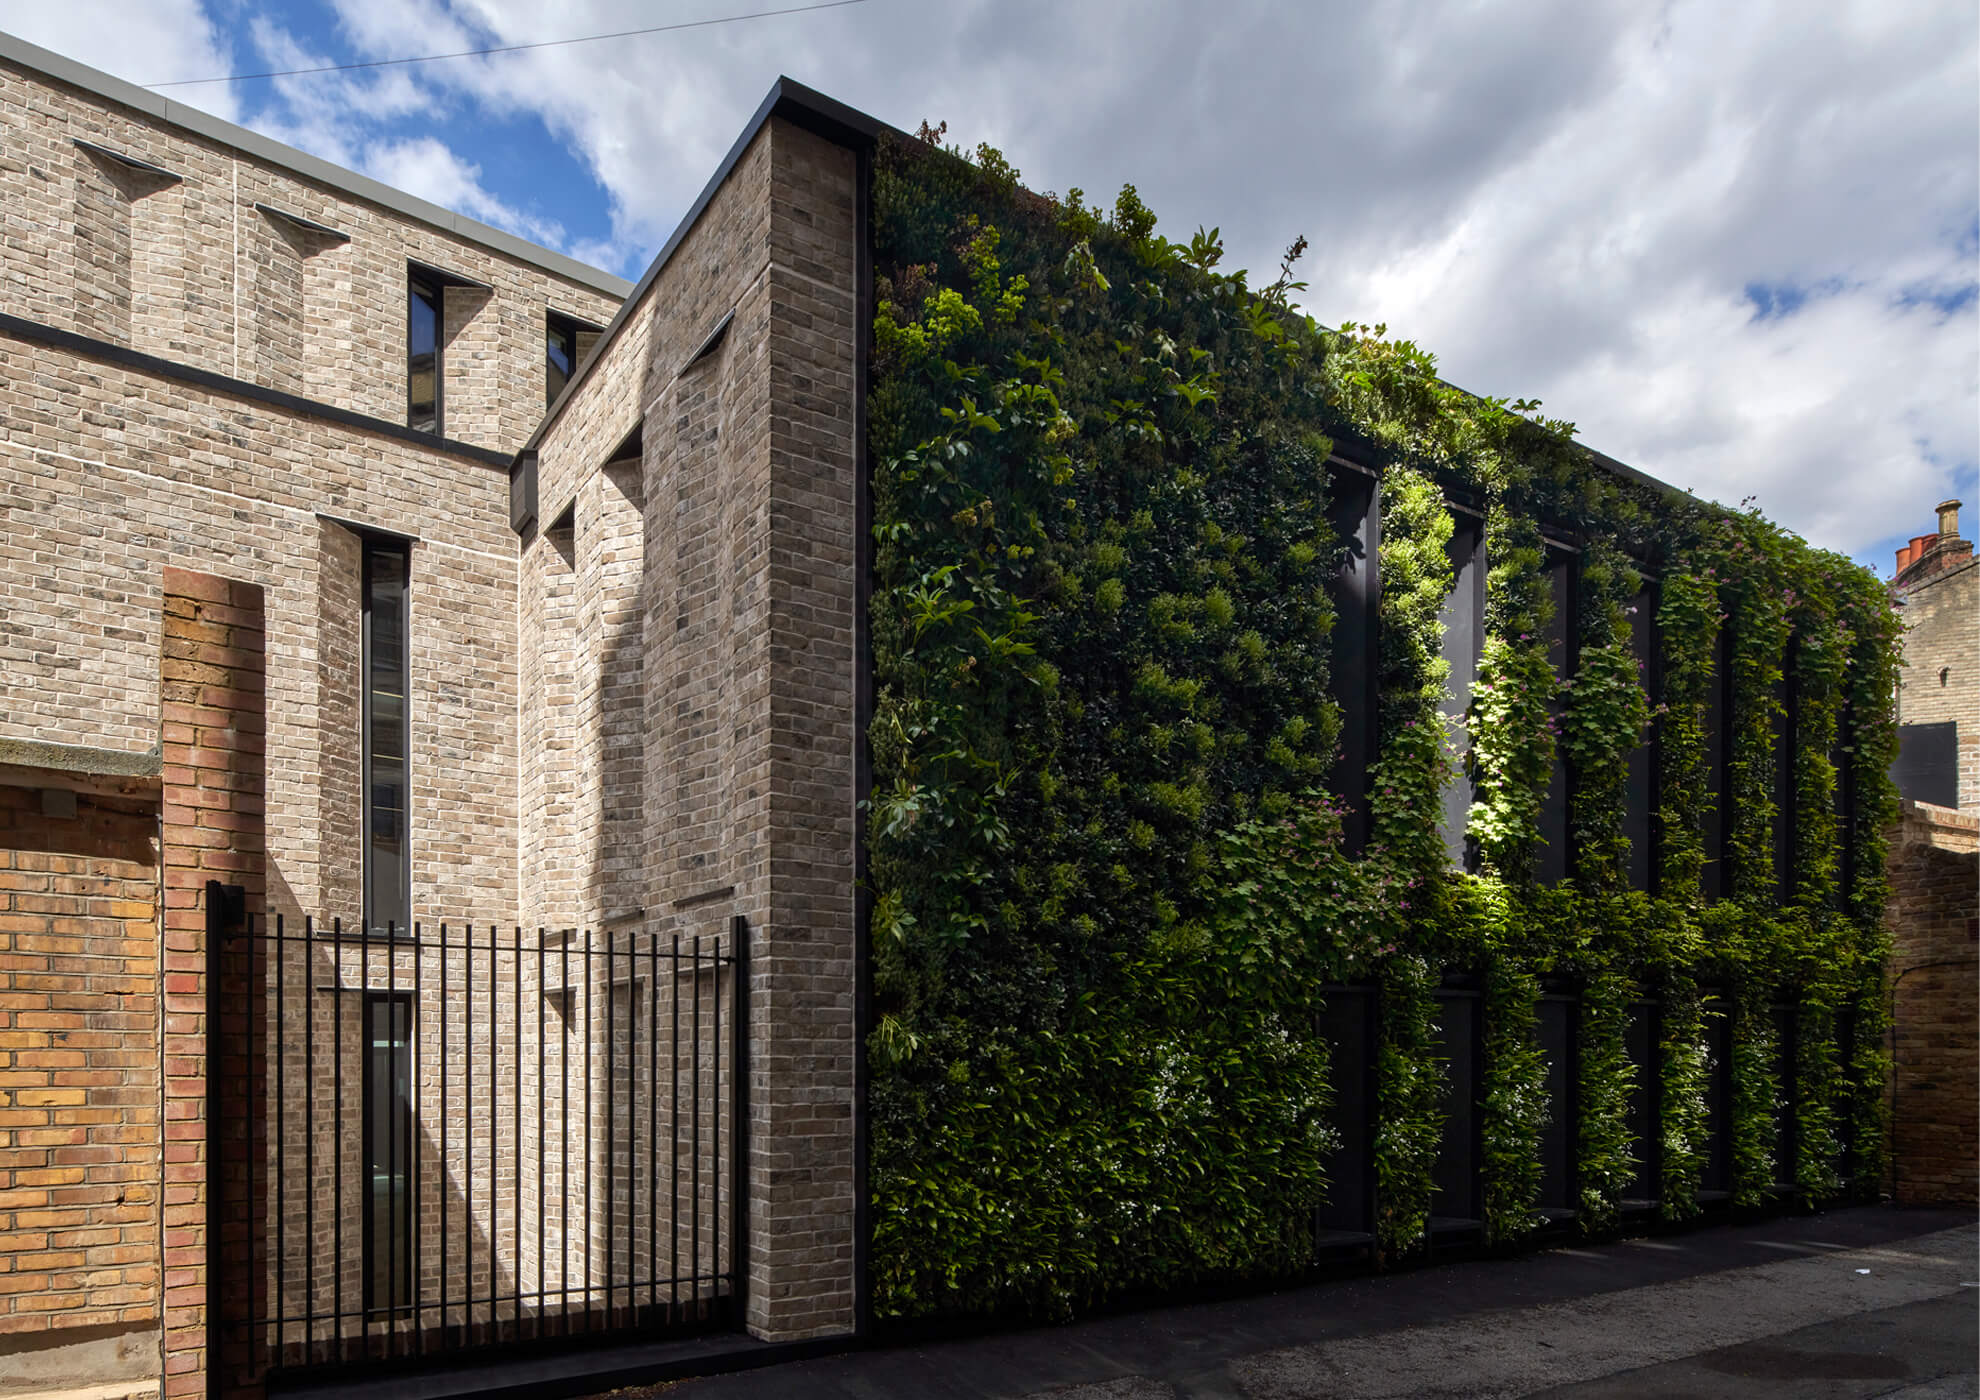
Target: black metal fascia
x,y
365,531
102,351
298,221
142,167
446,277
788,101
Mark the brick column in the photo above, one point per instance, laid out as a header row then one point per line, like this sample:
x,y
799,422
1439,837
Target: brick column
x,y
1934,918
213,711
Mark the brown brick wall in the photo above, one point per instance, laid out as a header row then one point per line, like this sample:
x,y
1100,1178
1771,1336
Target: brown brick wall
x,y
78,1064
709,636
194,272
212,669
107,475
1935,928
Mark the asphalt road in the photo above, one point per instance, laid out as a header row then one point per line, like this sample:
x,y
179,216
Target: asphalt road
x,y
1856,1303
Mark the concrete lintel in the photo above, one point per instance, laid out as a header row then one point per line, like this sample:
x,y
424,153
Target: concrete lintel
x,y
33,763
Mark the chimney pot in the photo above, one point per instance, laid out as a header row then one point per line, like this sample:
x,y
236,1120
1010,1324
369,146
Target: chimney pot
x,y
1948,520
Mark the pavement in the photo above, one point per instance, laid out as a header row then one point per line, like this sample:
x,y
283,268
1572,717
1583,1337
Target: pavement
x,y
1863,1302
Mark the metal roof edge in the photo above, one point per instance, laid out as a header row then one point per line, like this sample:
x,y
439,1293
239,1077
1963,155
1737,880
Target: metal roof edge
x,y
788,99
21,53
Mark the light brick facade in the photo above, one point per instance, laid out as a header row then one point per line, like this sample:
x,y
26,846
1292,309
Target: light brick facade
x,y
635,720
1938,583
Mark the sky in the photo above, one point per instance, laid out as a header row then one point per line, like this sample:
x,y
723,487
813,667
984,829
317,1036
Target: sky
x,y
1737,244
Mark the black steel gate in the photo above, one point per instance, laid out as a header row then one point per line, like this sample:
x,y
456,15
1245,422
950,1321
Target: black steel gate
x,y
445,1140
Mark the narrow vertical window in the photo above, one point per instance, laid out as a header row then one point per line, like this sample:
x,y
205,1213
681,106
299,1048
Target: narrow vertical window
x,y
388,1154
1718,767
1639,794
1563,650
1357,517
1463,617
387,854
566,341
424,301
1787,721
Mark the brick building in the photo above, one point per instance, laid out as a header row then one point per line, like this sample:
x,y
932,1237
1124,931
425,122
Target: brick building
x,y
1938,586
431,680
1935,871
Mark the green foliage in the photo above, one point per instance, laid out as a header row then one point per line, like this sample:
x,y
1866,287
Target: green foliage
x,y
1109,886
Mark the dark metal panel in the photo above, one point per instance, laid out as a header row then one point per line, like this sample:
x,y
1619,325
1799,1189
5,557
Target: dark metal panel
x,y
1556,1031
1787,1101
1642,1039
1927,765
1455,1176
1718,768
1640,790
1348,1027
1555,860
1787,720
1716,1178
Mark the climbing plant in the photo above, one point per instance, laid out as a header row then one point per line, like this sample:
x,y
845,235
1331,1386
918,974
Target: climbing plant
x,y
1111,880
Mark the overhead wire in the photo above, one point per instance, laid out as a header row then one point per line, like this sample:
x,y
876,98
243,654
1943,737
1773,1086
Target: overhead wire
x,y
508,48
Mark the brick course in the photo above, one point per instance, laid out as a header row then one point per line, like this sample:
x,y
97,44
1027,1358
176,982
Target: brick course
x,y
1935,929
78,1063
196,272
639,722
211,675
1941,677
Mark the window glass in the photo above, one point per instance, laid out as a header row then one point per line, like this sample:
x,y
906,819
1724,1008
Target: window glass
x,y
386,852
566,341
559,357
423,305
387,1150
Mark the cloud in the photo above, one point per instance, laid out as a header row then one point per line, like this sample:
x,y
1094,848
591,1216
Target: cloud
x,y
429,169
1736,244
154,42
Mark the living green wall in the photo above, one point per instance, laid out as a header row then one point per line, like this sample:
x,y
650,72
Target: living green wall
x,y
1107,878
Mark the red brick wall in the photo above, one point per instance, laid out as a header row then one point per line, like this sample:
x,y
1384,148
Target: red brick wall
x,y
1935,928
214,726
78,1064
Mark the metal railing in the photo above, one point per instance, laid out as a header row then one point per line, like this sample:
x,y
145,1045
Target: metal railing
x,y
461,1137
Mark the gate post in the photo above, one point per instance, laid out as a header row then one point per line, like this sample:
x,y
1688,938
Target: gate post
x,y
212,736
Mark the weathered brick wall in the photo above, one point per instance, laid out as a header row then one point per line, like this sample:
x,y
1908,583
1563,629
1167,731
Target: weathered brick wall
x,y
212,677
79,1152
194,272
1935,928
1941,679
107,475
802,1187
713,633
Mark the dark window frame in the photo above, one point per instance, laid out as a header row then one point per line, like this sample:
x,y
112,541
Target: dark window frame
x,y
398,1273
376,551
1642,812
1555,860
1787,757
423,285
1469,553
1716,874
1355,510
561,325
